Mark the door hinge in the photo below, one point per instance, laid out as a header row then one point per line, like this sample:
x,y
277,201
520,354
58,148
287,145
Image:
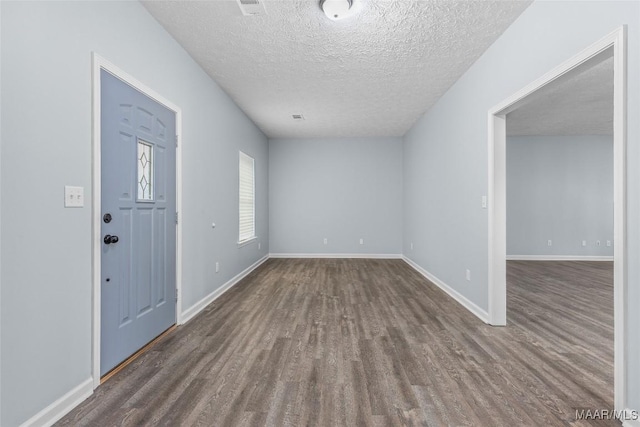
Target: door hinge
x,y
176,217
177,140
176,294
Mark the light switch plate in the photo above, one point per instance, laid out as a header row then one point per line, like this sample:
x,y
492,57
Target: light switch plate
x,y
73,196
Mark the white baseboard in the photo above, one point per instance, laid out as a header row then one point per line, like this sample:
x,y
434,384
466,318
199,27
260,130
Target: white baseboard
x,y
61,407
558,258
632,418
364,256
189,313
472,307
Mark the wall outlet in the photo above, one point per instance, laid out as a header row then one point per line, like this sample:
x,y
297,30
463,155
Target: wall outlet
x,y
484,202
73,196
549,242
362,241
259,245
411,245
584,243
325,240
468,275
217,267
608,242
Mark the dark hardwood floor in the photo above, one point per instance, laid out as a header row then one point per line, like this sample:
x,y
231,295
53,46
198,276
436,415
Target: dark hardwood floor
x,y
371,342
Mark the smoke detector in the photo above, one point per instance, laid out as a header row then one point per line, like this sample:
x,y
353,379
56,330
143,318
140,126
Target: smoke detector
x,y
252,7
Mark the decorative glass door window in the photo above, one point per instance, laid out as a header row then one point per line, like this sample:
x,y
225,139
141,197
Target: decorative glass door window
x,y
145,171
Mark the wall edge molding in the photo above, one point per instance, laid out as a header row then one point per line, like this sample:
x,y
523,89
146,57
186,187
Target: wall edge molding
x,y
196,308
337,255
457,296
61,406
559,258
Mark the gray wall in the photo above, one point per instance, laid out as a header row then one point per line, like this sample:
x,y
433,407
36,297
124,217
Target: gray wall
x,y
46,143
341,189
559,188
445,155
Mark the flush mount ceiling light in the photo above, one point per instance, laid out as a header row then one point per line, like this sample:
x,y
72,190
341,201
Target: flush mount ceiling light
x,y
336,9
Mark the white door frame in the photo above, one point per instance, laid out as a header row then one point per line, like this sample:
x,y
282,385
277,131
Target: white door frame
x,y
497,195
99,63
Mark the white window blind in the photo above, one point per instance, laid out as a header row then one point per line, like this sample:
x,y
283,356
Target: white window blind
x,y
247,198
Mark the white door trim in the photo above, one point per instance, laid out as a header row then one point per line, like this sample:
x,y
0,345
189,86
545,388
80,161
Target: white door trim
x,y
497,194
99,63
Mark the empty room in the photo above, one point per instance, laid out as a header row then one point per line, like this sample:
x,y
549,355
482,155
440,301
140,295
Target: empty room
x,y
322,212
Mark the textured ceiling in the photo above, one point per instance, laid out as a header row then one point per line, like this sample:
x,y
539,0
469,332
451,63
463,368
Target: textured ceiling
x,y
579,105
373,73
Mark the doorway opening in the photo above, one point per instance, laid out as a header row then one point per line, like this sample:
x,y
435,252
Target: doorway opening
x,y
560,230
614,46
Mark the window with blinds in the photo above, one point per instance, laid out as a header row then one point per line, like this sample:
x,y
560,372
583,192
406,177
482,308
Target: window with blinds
x,y
247,198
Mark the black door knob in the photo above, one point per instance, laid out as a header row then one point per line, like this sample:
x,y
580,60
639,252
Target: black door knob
x,y
109,239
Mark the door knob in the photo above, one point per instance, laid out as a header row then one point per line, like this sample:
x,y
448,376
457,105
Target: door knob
x,y
109,239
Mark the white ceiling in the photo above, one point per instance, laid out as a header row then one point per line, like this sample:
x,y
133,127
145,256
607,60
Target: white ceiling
x,y
371,74
581,104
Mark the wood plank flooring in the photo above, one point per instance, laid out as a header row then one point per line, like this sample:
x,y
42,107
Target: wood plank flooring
x,y
371,342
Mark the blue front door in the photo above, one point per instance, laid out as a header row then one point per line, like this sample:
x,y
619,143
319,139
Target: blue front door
x,y
138,290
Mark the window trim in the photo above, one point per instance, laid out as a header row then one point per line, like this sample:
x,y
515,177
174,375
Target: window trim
x,y
247,241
